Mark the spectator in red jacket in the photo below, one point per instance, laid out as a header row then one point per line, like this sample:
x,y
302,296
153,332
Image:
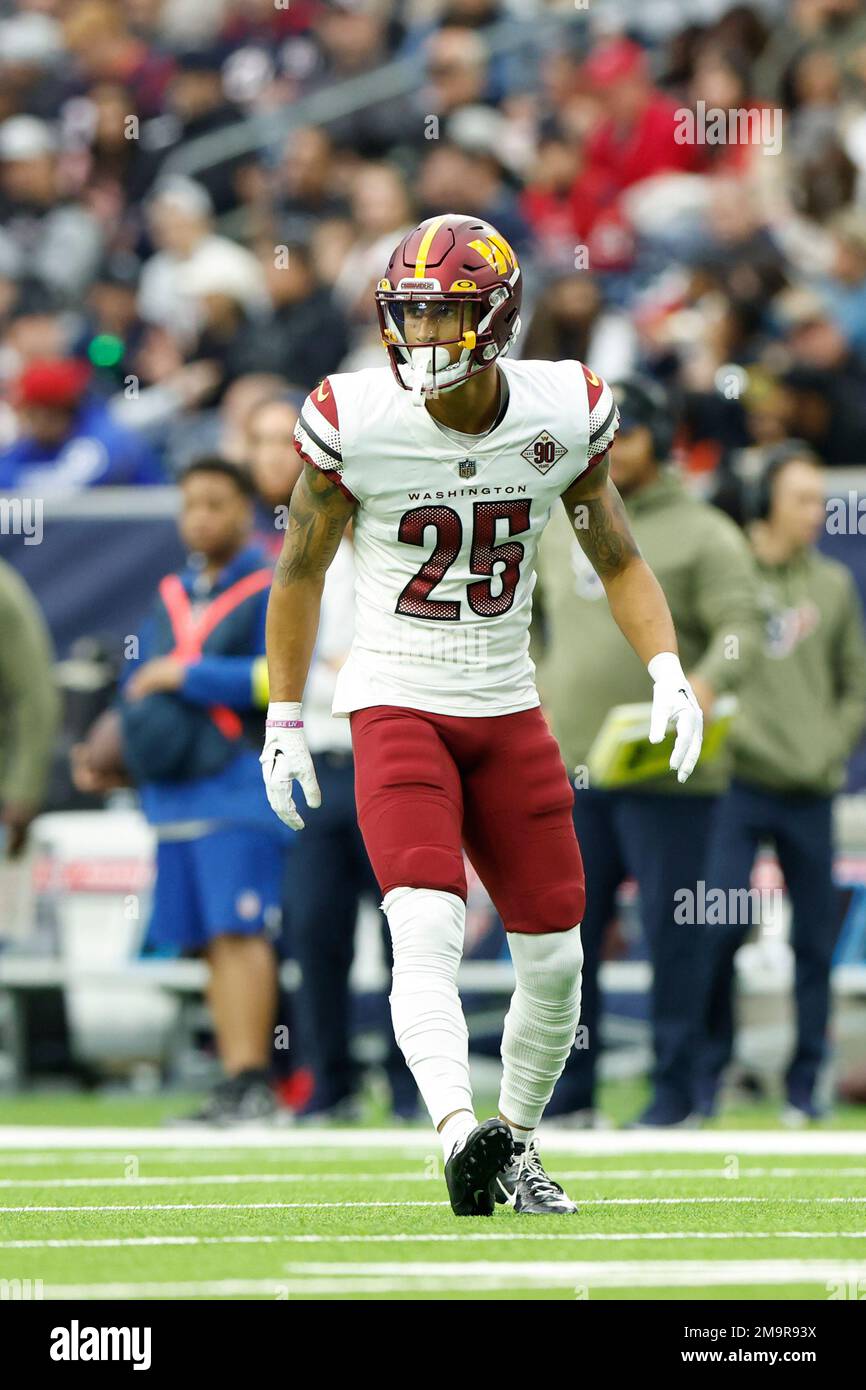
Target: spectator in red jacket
x,y
635,137
569,210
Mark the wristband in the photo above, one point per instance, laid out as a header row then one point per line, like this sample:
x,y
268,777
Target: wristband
x,y
284,714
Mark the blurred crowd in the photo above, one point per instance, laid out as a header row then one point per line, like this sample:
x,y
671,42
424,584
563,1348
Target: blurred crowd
x,y
165,264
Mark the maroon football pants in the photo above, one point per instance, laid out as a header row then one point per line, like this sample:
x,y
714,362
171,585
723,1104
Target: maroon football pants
x,y
428,785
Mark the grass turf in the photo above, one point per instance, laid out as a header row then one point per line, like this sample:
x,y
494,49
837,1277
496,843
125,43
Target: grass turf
x,y
363,1222
621,1101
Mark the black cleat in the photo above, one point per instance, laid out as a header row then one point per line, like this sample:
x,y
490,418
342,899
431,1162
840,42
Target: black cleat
x,y
239,1100
470,1172
526,1187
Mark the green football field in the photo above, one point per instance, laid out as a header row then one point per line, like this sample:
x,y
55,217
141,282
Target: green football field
x,y
97,1200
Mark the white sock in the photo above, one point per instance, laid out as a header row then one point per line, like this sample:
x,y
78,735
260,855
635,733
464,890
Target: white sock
x,y
427,929
455,1128
524,1137
541,1023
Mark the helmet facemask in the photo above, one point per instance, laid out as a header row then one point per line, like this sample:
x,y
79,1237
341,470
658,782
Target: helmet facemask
x,y
426,369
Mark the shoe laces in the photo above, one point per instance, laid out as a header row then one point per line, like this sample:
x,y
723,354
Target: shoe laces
x,y
531,1168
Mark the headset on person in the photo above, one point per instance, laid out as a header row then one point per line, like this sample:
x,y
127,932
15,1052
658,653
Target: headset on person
x,y
643,401
756,493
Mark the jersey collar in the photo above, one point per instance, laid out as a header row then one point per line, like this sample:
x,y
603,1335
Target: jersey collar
x,y
482,447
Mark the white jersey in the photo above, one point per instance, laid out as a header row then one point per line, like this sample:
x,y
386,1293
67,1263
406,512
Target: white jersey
x,y
446,532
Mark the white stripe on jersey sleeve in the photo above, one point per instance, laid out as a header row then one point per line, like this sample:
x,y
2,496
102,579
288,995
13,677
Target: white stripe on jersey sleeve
x,y
603,424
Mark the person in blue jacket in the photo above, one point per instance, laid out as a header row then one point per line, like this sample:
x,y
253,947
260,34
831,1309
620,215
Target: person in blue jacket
x,y
192,717
69,439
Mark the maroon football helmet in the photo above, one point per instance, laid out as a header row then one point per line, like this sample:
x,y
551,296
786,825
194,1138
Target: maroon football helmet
x,y
450,259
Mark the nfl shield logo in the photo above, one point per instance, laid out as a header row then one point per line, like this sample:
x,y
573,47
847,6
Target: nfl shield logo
x,y
466,468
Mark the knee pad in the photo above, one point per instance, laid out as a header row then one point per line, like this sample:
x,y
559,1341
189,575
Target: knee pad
x,y
548,966
427,928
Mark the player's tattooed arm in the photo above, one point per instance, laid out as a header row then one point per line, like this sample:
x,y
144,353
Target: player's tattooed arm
x,y
317,519
635,596
318,515
600,523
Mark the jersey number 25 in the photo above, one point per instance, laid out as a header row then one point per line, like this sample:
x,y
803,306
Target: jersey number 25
x,y
415,600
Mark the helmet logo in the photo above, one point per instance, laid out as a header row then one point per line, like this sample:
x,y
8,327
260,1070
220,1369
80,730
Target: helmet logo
x,y
496,252
465,285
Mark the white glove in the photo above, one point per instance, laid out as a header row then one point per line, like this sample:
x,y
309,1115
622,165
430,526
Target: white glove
x,y
286,759
674,699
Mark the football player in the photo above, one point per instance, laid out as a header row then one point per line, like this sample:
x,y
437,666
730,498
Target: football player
x,y
449,465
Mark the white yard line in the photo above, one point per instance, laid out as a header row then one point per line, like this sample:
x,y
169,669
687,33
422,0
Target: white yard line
x,y
721,1172
13,1158
215,1180
215,1206
584,1142
412,1175
75,1207
582,1275
775,1271
449,1237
